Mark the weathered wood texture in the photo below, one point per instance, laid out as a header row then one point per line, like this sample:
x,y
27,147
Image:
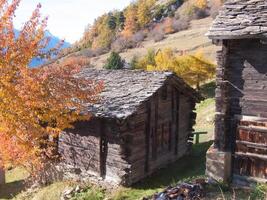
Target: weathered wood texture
x,y
124,151
242,91
241,86
159,132
251,149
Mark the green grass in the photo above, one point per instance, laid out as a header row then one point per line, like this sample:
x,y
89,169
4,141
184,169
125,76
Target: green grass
x,y
91,193
51,192
206,112
187,168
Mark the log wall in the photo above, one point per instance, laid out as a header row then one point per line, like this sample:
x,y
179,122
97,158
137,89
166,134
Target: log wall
x,y
95,148
125,151
248,76
241,91
159,132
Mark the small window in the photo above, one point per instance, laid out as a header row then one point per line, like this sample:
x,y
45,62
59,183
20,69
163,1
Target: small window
x,y
164,94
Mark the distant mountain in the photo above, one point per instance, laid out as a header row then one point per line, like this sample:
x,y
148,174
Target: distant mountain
x,y
52,43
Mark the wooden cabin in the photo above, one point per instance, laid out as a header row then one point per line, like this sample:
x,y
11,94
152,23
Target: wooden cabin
x,y
239,153
143,121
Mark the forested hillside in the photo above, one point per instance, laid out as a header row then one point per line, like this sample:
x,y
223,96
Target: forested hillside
x,y
144,25
119,30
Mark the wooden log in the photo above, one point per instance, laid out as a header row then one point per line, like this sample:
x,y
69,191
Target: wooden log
x,y
251,155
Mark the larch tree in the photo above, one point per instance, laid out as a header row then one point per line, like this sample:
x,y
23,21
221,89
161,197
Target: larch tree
x,y
144,15
194,69
131,24
35,104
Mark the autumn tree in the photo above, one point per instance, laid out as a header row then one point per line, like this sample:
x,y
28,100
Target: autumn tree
x,y
131,24
147,60
144,15
194,69
35,104
201,4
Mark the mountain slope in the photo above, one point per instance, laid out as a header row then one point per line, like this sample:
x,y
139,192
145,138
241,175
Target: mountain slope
x,y
54,41
188,41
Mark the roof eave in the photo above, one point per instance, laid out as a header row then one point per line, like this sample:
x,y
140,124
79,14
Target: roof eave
x,y
214,36
181,84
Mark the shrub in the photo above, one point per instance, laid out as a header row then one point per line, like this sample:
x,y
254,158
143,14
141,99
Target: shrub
x,y
167,24
100,51
181,24
138,37
193,9
215,6
200,13
120,44
114,61
123,43
157,34
134,62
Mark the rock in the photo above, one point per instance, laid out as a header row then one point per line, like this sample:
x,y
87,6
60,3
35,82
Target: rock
x,y
77,189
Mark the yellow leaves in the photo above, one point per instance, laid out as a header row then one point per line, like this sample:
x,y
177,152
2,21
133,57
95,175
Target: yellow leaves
x,y
131,25
202,4
144,12
194,69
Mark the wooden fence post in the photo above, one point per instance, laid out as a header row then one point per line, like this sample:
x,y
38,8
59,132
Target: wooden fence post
x,y
197,134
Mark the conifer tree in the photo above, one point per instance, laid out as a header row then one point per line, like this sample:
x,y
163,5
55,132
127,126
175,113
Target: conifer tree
x,y
114,61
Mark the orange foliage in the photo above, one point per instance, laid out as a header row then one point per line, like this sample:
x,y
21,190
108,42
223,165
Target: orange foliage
x,y
131,25
35,103
168,26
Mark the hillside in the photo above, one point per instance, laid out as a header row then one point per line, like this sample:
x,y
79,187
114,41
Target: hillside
x,y
190,40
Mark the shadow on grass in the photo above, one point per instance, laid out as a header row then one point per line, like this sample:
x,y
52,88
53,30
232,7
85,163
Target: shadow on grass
x,y
187,167
10,190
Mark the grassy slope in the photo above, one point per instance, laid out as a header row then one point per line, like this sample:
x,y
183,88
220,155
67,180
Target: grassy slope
x,y
206,112
190,40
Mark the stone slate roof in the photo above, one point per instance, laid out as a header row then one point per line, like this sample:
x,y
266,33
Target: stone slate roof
x,y
125,90
241,19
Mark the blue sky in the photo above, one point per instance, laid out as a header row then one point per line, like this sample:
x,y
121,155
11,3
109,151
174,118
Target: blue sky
x,y
68,18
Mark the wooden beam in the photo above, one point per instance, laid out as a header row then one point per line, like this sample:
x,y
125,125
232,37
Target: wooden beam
x,y
253,128
251,155
178,96
103,149
253,145
147,133
197,134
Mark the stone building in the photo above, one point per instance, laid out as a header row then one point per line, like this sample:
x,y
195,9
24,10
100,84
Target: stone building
x,y
239,153
143,122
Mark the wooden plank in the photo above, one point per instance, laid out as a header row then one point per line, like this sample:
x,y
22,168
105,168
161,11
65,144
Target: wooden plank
x,y
252,155
103,149
177,109
253,128
253,145
147,138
